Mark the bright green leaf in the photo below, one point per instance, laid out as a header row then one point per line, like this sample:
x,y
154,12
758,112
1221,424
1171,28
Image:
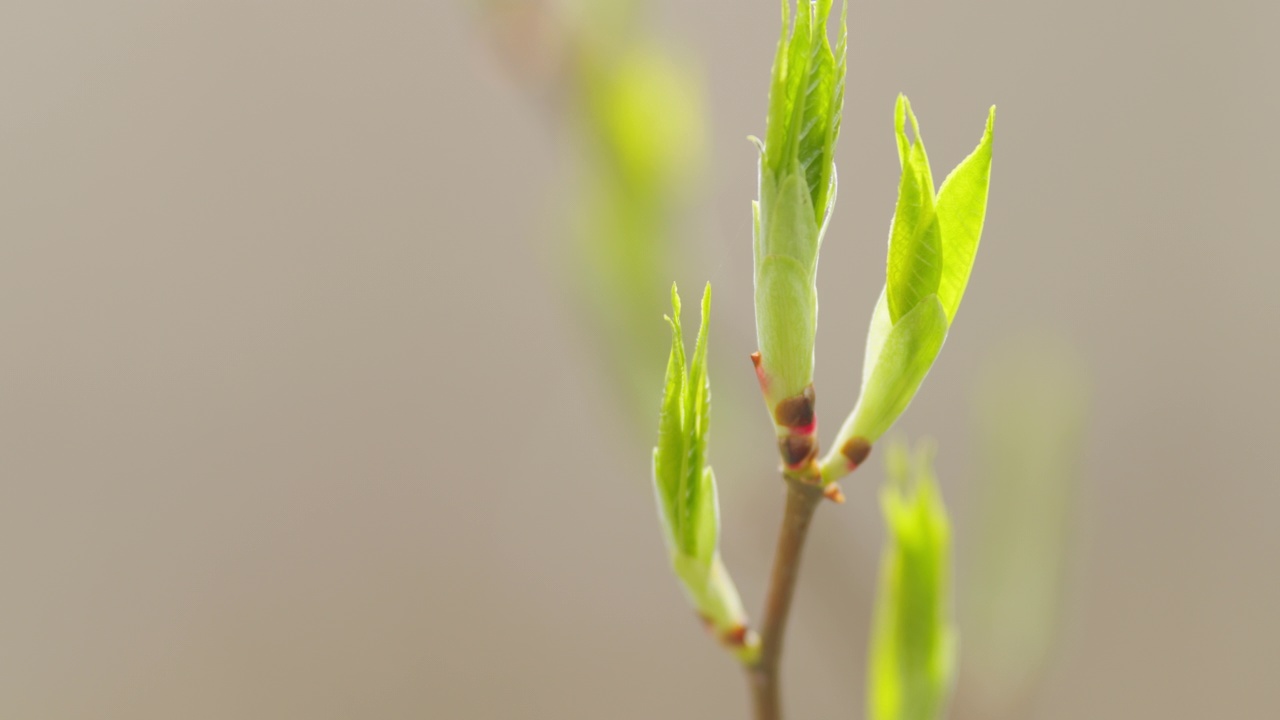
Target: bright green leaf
x,y
962,208
842,69
680,457
821,115
806,99
915,242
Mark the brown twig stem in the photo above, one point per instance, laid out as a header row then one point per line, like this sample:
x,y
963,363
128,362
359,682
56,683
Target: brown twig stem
x,y
803,499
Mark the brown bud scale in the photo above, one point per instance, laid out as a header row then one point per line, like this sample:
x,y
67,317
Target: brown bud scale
x,y
797,450
856,451
796,411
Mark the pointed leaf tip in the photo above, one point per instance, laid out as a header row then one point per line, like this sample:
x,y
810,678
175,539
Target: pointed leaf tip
x,y
961,209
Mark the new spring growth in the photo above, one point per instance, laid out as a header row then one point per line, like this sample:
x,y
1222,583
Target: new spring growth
x,y
932,244
913,642
686,490
797,189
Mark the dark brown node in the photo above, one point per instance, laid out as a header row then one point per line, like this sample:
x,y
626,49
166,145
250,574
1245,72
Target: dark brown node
x,y
856,451
797,450
796,411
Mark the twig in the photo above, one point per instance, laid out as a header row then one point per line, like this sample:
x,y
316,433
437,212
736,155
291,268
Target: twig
x,y
803,499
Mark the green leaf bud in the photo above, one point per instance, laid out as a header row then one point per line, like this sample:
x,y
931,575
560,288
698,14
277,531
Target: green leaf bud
x,y
932,244
797,191
685,487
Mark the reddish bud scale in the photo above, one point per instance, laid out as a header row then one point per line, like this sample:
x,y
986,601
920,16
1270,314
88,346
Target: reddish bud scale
x,y
760,376
735,636
809,429
798,419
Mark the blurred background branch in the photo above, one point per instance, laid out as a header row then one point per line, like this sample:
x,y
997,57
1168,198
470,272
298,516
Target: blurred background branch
x,y
628,113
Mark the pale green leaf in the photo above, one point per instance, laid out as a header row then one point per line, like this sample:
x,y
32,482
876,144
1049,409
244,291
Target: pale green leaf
x,y
755,229
881,325
786,322
712,593
786,296
707,538
908,352
789,224
962,208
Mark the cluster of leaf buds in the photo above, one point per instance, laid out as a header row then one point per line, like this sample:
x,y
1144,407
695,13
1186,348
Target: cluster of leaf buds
x,y
932,243
797,188
686,490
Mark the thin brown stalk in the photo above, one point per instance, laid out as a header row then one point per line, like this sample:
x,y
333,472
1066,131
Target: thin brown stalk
x,y
803,499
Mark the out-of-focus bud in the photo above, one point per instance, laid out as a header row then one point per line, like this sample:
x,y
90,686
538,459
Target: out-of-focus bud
x,y
913,642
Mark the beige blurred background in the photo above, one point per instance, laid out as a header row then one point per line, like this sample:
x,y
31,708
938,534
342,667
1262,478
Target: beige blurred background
x,y
295,421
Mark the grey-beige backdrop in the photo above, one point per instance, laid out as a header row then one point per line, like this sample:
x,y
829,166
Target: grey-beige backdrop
x,y
295,422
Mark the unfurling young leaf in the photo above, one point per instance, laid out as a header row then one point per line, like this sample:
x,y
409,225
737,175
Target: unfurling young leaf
x,y
686,489
932,244
915,242
913,643
797,193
